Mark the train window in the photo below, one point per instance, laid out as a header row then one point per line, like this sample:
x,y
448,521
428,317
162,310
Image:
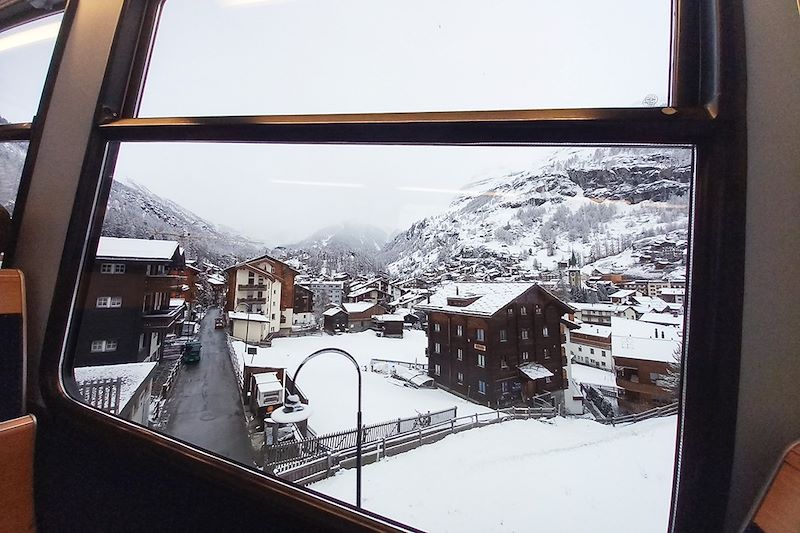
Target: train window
x,y
242,259
12,158
234,57
25,53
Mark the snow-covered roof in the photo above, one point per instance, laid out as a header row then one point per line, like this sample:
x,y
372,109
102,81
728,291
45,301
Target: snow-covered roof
x,y
267,381
131,376
388,318
216,280
333,311
624,293
136,249
364,290
662,318
253,317
535,371
357,307
614,308
489,297
591,329
634,339
652,302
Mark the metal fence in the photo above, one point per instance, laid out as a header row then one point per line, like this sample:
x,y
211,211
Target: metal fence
x,y
102,393
315,446
316,467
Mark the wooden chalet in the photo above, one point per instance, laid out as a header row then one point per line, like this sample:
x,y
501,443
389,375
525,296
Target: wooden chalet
x,y
498,344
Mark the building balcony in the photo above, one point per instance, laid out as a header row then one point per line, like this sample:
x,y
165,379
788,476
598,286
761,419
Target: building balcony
x,y
646,389
251,301
253,287
164,283
162,318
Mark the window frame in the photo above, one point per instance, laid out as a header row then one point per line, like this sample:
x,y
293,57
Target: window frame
x,y
706,111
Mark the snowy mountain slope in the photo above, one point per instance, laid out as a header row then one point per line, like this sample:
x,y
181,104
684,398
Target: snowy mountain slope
x,y
346,247
134,211
12,157
592,201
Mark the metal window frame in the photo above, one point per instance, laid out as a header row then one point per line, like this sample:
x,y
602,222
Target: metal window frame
x,y
707,112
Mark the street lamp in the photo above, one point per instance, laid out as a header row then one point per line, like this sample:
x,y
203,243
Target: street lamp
x,y
291,412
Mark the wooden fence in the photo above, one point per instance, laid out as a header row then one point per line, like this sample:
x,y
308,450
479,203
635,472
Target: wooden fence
x,y
102,393
323,465
664,410
323,444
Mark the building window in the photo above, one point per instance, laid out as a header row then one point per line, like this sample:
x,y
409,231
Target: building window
x,y
503,335
480,335
503,363
459,354
580,348
546,353
437,348
104,346
481,386
459,330
524,356
109,301
538,309
591,351
510,311
545,332
548,379
481,360
437,327
524,334
522,310
112,268
603,353
437,369
460,377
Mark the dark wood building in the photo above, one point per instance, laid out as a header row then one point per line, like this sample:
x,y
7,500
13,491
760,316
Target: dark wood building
x,y
497,343
127,310
303,299
334,319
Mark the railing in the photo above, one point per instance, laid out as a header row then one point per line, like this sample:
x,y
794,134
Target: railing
x,y
325,464
292,451
253,287
665,410
102,393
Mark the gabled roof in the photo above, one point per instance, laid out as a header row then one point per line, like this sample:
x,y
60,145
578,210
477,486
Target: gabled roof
x,y
261,258
489,298
131,376
535,371
138,249
633,339
358,307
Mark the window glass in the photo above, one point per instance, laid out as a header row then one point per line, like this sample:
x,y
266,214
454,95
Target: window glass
x,y
25,53
225,300
12,159
232,57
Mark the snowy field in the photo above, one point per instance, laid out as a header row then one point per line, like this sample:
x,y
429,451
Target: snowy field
x,y
568,475
330,381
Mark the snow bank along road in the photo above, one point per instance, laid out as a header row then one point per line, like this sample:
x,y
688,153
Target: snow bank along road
x,y
331,384
568,475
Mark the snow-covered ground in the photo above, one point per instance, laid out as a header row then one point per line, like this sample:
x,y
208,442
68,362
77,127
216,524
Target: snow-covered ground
x,y
330,381
593,376
568,475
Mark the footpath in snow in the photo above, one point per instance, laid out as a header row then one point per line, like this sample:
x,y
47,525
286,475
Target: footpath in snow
x,y
565,475
331,384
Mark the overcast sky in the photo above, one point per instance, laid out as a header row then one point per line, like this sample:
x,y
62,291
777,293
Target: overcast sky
x,y
337,56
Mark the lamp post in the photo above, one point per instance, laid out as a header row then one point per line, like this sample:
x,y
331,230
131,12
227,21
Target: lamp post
x,y
291,412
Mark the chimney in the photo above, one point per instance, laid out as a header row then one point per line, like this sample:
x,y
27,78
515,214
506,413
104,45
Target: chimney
x,y
456,290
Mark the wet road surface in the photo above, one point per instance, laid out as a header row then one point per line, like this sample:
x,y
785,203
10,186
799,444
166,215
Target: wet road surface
x,y
204,408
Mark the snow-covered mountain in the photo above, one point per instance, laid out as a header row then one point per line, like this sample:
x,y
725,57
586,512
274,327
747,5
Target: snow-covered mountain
x,y
347,247
12,157
136,212
595,202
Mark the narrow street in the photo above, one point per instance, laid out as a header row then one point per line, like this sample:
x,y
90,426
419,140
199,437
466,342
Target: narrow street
x,y
205,408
